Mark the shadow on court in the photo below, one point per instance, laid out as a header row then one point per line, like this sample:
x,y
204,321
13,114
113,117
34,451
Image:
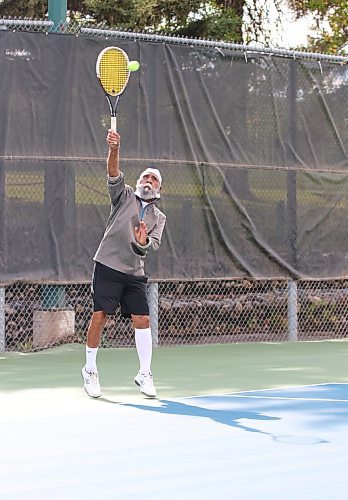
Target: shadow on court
x,y
323,409
230,418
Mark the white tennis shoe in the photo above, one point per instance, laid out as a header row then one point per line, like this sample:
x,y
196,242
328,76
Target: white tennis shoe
x,y
91,383
145,382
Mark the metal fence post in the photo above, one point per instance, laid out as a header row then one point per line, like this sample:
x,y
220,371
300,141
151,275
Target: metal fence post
x,y
153,306
57,10
292,310
2,320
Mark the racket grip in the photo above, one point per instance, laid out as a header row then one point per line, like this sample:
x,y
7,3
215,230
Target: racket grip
x,y
114,123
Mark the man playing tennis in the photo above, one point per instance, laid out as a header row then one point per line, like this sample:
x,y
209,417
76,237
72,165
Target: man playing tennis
x,y
134,226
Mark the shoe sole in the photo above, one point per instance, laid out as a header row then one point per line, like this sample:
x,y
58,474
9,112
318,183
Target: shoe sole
x,y
94,397
142,392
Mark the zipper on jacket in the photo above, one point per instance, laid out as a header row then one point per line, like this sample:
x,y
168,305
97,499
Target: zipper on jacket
x,y
142,212
143,209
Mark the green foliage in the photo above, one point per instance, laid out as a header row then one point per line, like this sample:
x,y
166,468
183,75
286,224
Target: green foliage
x,y
208,21
192,18
35,9
24,8
116,13
213,19
222,24
330,19
332,39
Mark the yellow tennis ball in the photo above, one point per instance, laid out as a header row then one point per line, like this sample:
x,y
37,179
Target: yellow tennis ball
x,y
133,66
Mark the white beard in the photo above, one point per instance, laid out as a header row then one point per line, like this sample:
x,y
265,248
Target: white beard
x,y
147,192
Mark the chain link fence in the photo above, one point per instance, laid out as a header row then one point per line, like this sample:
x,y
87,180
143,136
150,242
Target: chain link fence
x,y
91,27
192,312
36,316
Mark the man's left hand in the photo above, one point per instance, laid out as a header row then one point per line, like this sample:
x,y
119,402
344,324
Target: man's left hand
x,y
141,233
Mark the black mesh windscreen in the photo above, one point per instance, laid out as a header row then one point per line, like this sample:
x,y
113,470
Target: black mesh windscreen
x,y
252,150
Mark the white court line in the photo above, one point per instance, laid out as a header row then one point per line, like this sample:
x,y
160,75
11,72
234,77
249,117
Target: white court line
x,y
289,398
240,393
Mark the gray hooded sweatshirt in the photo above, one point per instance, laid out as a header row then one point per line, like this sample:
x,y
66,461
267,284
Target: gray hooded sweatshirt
x,y
118,248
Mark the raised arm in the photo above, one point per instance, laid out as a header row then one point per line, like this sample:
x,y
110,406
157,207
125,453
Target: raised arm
x,y
113,160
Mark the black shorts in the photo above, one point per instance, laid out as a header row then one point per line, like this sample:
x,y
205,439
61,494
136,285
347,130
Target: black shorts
x,y
111,288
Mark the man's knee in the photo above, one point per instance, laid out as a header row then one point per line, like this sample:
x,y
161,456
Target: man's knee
x,y
140,321
99,318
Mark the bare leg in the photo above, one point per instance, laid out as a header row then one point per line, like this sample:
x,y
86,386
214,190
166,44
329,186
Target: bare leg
x,y
140,321
95,328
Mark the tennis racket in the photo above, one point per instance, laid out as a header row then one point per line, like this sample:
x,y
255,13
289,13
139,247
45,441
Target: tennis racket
x,y
113,74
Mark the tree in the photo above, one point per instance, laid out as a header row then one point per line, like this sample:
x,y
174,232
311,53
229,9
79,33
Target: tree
x,y
35,9
228,20
330,18
115,13
192,18
24,8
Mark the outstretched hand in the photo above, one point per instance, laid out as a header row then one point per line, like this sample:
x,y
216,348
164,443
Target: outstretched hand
x,y
113,139
141,233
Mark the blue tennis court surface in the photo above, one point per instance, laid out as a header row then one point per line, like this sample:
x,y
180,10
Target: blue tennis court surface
x,y
338,392
286,443
314,414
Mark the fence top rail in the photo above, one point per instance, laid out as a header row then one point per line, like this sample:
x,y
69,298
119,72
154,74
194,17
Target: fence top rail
x,y
217,45
26,23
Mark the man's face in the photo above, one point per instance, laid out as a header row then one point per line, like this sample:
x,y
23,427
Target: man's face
x,y
149,187
150,180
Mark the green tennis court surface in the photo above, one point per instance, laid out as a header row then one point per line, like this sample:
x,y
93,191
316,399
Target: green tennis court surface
x,y
240,421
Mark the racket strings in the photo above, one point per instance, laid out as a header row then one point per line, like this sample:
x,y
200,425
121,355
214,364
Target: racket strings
x,y
113,72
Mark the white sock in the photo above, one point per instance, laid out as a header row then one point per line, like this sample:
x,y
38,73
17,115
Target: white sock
x,y
91,359
143,342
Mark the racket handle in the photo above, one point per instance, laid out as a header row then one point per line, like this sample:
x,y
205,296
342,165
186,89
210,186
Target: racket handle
x,y
114,123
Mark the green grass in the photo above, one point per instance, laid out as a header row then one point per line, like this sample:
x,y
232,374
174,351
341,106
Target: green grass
x,y
266,189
